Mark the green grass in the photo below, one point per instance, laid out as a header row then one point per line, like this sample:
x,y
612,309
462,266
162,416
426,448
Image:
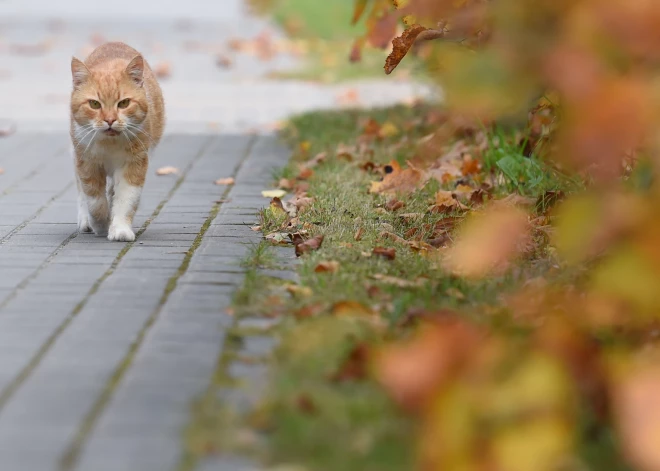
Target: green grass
x,y
317,19
321,424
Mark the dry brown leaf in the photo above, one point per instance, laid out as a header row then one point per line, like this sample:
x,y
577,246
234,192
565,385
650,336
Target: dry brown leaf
x,y
331,266
394,205
358,234
7,128
399,180
401,46
305,173
400,282
489,241
299,291
286,184
310,310
351,309
163,70
386,253
393,237
638,416
355,366
310,245
414,371
223,61
225,181
167,171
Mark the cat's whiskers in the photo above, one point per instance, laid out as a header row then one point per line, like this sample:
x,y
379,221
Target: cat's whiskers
x,y
140,130
91,140
82,140
137,138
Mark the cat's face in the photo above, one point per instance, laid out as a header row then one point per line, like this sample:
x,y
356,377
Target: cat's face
x,y
110,101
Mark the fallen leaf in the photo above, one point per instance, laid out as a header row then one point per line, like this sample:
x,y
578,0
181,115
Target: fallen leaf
x,y
348,97
394,205
273,193
223,61
167,171
7,128
388,129
299,291
638,416
399,180
225,181
256,228
305,173
358,234
163,70
309,246
400,282
387,253
286,184
305,404
331,266
297,238
414,370
446,203
393,237
351,309
308,311
489,241
355,366
277,237
276,203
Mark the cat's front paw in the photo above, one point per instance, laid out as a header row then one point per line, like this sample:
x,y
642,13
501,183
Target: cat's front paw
x,y
83,224
121,233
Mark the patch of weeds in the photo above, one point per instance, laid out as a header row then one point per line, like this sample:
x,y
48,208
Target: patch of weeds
x,y
527,175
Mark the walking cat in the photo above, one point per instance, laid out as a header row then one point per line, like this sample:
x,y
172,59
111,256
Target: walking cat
x,y
117,117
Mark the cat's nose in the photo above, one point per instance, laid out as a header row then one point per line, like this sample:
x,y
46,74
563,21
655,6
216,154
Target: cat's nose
x,y
110,122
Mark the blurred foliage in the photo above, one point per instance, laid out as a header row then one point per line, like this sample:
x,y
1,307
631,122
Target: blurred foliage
x,y
487,400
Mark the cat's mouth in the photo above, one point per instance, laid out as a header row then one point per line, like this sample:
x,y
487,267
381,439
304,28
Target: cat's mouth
x,y
111,132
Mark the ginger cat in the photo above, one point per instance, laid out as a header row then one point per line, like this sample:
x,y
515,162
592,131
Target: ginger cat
x,y
117,116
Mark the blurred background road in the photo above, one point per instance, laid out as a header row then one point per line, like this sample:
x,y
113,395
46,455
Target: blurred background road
x,y
213,59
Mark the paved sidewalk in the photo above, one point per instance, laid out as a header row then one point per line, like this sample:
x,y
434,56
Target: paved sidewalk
x,y
104,346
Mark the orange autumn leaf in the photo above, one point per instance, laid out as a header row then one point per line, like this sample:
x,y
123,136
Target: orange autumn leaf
x,y
401,45
352,309
309,245
330,266
413,371
638,416
399,180
489,241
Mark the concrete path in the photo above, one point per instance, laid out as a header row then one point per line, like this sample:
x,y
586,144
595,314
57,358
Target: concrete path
x,y
104,347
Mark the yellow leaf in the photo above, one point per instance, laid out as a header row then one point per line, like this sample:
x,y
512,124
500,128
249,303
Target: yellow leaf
x,y
273,193
352,309
167,171
388,130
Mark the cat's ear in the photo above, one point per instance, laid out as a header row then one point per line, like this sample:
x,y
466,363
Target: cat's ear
x,y
135,70
79,72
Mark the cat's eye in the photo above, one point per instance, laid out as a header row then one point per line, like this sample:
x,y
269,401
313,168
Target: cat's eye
x,y
124,103
95,105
